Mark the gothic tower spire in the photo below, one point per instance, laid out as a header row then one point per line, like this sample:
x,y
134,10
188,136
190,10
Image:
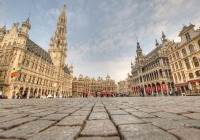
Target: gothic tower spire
x,y
139,50
157,44
58,43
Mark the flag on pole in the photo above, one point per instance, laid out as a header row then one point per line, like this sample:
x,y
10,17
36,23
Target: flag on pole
x,y
15,72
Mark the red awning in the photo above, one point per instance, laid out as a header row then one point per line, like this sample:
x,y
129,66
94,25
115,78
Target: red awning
x,y
153,88
164,87
182,85
193,81
158,87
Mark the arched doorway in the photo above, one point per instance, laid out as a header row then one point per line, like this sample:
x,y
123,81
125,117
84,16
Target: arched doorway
x,y
25,94
31,93
35,93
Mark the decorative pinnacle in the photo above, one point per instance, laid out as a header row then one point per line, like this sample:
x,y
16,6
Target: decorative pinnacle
x,y
71,65
28,19
4,27
157,42
163,35
138,44
64,1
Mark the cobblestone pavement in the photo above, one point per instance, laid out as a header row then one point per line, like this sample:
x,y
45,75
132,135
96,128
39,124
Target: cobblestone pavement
x,y
149,118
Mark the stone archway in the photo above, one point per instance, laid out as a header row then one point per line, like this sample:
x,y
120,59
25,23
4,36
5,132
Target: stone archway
x,y
26,93
31,93
21,92
35,93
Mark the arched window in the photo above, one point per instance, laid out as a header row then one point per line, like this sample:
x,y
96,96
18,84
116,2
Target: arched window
x,y
175,78
174,57
184,52
191,48
177,54
179,76
187,63
195,61
197,73
191,75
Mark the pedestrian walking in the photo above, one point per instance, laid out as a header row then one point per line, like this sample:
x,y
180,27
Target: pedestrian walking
x,y
107,93
101,93
142,91
83,94
86,94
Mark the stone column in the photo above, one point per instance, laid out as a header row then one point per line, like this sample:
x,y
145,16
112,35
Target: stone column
x,y
37,93
198,85
161,89
159,76
163,73
190,86
156,90
167,89
23,91
28,93
145,94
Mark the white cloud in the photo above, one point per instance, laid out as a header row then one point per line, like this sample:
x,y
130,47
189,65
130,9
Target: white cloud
x,y
123,22
102,34
3,8
117,68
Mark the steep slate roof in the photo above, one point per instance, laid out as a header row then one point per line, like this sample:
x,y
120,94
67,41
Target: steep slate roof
x,y
37,50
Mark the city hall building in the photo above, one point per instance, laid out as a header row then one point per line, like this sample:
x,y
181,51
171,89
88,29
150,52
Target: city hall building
x,y
28,70
123,86
184,59
151,73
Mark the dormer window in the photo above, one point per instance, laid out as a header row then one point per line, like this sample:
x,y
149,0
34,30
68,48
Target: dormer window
x,y
187,36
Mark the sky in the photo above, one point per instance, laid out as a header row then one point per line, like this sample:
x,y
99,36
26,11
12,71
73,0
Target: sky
x,y
101,34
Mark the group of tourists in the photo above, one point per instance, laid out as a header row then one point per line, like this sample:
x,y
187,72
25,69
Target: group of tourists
x,y
165,93
19,96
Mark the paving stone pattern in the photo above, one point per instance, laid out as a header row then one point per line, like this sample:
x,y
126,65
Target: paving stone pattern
x,y
148,118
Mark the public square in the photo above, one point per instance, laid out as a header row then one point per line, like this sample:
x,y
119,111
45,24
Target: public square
x,y
122,118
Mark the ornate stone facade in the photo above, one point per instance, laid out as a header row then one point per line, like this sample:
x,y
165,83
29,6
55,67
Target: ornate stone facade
x,y
92,85
42,72
184,59
151,73
123,86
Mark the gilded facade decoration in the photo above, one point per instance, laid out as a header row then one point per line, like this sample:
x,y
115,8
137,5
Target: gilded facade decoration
x,y
92,85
